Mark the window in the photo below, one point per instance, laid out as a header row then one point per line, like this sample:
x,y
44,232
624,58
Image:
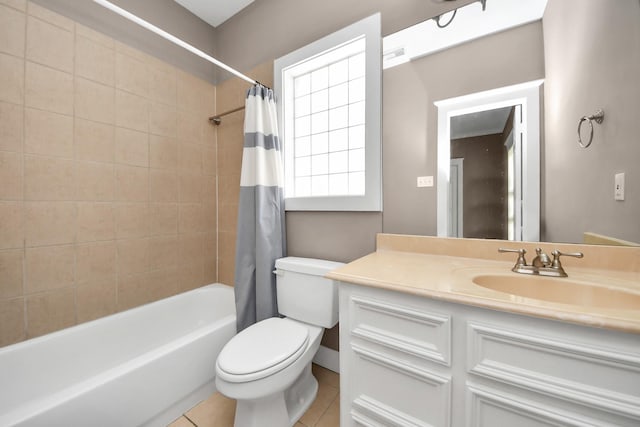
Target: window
x,y
329,112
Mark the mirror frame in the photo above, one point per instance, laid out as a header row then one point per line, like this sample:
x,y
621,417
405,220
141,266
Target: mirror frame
x,y
525,94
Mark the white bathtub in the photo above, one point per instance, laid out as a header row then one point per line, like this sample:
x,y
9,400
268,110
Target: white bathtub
x,y
144,366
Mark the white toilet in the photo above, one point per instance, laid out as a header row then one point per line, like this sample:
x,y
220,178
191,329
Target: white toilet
x,y
267,366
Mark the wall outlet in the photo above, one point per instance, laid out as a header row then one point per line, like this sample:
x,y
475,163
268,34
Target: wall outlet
x,y
619,190
425,181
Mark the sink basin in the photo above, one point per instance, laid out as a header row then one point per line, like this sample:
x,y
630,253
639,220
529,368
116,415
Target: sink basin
x,y
560,290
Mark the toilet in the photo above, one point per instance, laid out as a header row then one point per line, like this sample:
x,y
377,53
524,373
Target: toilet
x,y
267,366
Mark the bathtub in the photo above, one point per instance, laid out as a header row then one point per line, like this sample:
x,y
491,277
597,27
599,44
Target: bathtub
x,y
145,366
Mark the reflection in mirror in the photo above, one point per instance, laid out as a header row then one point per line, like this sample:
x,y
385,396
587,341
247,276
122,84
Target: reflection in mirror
x,y
587,52
482,178
497,133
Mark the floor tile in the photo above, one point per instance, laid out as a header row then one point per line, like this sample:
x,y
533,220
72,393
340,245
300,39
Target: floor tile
x,y
326,376
331,417
216,411
219,411
325,396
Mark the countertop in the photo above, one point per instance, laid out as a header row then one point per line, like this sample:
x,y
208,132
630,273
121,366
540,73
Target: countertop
x,y
450,278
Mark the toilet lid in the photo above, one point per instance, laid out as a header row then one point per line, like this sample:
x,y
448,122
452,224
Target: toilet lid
x,y
263,349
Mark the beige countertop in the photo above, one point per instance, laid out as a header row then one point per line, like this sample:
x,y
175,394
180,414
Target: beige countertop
x,y
414,269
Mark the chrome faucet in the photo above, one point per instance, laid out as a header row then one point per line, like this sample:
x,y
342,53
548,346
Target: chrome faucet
x,y
541,259
542,265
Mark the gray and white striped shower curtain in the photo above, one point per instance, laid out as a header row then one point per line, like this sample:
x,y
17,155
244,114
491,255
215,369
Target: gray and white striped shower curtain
x,y
261,229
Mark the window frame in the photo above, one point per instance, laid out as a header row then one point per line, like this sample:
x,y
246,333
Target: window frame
x,y
370,29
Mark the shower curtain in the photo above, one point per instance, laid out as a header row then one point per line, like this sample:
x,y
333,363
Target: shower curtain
x,y
261,230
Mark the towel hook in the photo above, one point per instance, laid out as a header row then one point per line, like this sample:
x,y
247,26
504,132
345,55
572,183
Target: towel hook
x,y
598,117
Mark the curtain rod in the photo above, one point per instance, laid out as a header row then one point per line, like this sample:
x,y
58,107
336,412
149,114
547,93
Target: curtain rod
x,y
133,18
217,119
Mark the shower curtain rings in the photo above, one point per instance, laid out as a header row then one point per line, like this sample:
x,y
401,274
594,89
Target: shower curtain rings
x,y
598,117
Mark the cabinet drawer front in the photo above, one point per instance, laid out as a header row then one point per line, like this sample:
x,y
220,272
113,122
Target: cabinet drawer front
x,y
488,407
417,332
596,377
397,393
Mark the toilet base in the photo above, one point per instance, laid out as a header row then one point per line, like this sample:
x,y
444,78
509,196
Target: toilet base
x,y
281,409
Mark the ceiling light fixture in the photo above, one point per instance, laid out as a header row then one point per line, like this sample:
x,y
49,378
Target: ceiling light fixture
x,y
439,17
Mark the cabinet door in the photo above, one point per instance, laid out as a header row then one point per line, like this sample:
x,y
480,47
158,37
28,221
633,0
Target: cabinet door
x,y
395,361
489,407
593,375
396,393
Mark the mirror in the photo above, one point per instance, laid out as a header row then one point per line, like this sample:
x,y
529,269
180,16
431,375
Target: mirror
x,y
588,57
500,208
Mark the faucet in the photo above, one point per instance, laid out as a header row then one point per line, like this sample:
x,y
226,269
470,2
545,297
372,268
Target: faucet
x,y
541,265
541,259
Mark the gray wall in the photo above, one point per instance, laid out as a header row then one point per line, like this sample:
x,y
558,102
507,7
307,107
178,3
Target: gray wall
x,y
338,236
165,14
602,43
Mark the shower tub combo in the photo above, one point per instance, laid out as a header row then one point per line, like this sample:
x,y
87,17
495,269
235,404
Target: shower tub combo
x,y
144,366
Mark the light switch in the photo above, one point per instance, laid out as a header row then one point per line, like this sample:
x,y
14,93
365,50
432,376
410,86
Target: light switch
x,y
619,190
425,181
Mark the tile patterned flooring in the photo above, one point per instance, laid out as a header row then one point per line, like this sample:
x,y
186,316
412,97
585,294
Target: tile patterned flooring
x,y
218,410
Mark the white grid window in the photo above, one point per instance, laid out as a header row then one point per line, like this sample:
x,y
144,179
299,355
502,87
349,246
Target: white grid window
x,y
329,116
331,121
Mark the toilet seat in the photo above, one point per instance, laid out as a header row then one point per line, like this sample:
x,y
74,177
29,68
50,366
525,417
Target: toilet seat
x,y
262,350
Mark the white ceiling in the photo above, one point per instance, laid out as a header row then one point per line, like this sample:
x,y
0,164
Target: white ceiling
x,y
481,123
214,12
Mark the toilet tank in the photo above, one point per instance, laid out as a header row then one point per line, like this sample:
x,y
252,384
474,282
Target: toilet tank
x,y
304,294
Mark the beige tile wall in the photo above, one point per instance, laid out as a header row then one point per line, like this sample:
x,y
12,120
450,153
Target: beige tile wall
x,y
107,175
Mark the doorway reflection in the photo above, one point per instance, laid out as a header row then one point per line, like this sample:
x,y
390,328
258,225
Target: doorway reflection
x,y
485,163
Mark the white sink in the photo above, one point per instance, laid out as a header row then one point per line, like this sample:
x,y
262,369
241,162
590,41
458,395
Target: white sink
x,y
560,290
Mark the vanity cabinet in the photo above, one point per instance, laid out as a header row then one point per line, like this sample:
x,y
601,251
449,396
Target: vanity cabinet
x,y
408,360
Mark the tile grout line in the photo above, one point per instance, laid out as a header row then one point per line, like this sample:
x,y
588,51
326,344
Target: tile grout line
x,y
23,210
75,177
327,408
189,419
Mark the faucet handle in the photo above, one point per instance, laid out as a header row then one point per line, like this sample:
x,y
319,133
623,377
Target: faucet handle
x,y
521,261
557,254
557,266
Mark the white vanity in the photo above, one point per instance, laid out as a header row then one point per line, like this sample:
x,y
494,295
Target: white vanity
x,y
422,345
